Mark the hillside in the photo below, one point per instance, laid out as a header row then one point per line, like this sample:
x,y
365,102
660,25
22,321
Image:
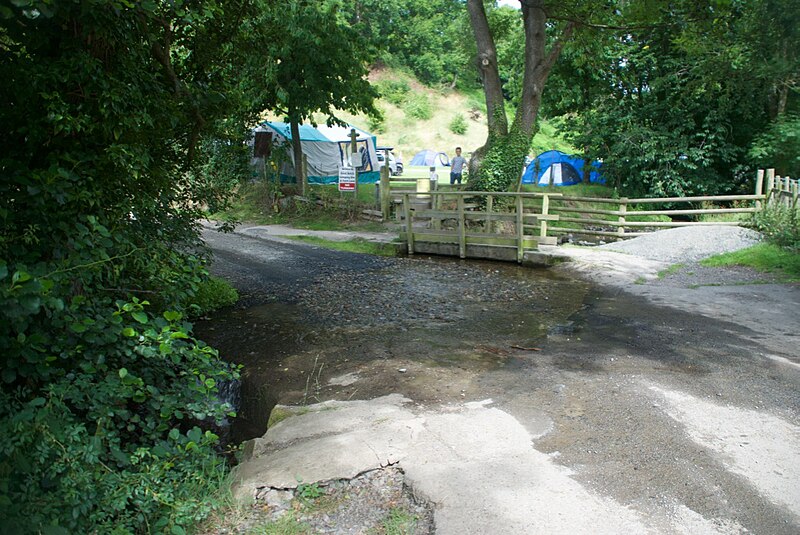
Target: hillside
x,y
418,117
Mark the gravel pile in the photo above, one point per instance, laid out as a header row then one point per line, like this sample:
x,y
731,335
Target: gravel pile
x,y
687,244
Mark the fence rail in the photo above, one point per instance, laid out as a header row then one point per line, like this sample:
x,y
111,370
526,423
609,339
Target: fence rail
x,y
525,220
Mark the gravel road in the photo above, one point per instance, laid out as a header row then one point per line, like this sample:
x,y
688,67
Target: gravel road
x,y
672,397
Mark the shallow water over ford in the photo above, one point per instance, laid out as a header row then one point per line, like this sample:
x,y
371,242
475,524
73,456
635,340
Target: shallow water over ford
x,y
424,327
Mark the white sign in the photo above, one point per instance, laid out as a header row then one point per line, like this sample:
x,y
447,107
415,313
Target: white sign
x,y
347,179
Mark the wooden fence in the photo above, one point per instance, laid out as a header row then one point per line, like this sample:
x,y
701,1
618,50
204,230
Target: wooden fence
x,y
780,190
469,220
523,220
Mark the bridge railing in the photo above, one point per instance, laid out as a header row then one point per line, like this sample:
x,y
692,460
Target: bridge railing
x,y
501,223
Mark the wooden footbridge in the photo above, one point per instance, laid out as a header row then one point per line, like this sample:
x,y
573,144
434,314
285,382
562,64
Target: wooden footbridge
x,y
469,224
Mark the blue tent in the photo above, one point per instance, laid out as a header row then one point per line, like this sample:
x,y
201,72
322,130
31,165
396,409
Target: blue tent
x,y
429,158
560,169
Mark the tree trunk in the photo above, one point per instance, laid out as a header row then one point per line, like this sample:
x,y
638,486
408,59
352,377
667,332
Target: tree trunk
x,y
498,164
487,67
297,151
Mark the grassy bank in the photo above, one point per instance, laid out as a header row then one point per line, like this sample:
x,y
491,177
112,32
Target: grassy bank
x,y
764,257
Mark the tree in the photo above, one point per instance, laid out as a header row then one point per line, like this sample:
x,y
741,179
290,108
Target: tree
x,y
301,79
672,106
497,164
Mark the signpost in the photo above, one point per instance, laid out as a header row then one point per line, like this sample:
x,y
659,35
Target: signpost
x,y
347,179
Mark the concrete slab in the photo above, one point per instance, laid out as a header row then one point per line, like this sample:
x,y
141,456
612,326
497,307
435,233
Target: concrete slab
x,y
474,462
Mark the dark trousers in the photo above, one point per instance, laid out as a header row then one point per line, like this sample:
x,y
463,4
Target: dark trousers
x,y
455,177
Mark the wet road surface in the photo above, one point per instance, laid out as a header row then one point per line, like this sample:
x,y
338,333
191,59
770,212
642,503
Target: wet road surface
x,y
677,409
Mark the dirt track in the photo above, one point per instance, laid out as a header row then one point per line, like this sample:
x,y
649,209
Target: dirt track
x,y
678,400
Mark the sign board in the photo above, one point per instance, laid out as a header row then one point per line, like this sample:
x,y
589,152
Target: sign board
x,y
347,179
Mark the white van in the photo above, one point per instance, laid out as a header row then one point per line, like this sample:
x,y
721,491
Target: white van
x,y
395,162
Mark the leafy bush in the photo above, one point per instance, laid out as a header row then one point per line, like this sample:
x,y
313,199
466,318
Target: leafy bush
x,y
377,122
779,224
458,125
212,293
393,91
99,430
418,106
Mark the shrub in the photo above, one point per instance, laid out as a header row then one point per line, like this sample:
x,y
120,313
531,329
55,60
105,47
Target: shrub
x,y
393,91
779,224
212,293
418,106
458,125
377,121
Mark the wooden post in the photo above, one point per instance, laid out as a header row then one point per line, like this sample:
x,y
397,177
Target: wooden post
x,y
489,203
759,186
385,189
354,151
545,211
770,183
409,226
795,191
520,230
623,209
787,187
436,205
462,231
304,183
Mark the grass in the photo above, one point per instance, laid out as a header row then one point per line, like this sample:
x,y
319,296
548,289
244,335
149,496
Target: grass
x,y
286,525
397,522
357,245
764,257
674,268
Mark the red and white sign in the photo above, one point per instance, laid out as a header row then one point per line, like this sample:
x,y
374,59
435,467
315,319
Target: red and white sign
x,y
347,179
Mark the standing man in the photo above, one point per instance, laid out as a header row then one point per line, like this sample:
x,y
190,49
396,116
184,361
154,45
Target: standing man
x,y
457,167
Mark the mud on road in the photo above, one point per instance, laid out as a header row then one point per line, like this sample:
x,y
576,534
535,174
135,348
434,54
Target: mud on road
x,y
676,399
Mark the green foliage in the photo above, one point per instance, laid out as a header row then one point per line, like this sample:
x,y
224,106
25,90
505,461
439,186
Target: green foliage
x,y
765,257
288,524
426,36
100,414
703,95
121,120
358,245
393,91
779,224
418,106
502,166
211,294
399,522
309,491
377,121
779,146
458,125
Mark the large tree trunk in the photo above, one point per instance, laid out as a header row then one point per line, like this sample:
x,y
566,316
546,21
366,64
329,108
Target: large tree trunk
x,y
498,164
487,67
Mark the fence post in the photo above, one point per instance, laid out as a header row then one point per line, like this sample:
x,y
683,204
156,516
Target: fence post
x,y
770,184
462,231
623,209
409,227
787,187
520,230
436,205
545,211
759,186
489,203
795,191
385,189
